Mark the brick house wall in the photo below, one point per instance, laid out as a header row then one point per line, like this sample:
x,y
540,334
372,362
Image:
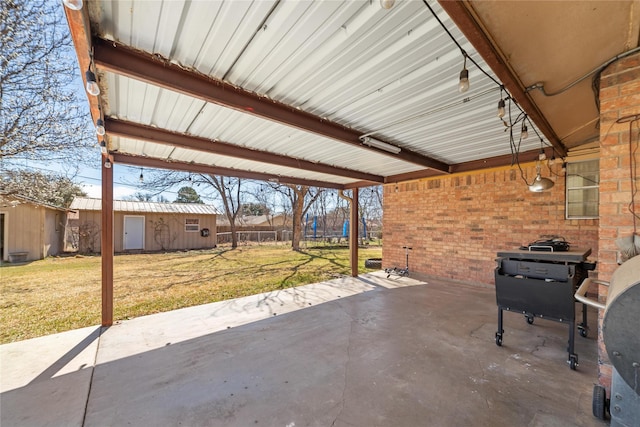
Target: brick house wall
x,y
619,103
457,223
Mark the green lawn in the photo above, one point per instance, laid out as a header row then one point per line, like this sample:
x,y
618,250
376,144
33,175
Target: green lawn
x,y
62,293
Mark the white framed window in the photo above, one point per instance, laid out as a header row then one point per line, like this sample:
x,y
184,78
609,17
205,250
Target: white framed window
x,y
582,184
192,224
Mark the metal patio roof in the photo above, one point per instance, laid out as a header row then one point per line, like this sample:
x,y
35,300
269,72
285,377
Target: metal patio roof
x,y
286,90
305,81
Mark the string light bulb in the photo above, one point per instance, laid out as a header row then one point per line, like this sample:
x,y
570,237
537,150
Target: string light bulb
x,y
501,108
73,4
141,176
525,132
107,163
463,84
92,84
103,146
552,160
100,130
387,4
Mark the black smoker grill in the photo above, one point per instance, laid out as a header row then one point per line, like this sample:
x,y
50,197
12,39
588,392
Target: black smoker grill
x,y
621,335
542,284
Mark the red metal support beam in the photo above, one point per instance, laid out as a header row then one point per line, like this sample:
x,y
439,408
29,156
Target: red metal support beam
x,y
462,16
214,170
353,233
106,243
132,130
81,36
151,69
491,162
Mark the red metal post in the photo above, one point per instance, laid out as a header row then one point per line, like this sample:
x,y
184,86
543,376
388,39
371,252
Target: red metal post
x,y
106,242
353,233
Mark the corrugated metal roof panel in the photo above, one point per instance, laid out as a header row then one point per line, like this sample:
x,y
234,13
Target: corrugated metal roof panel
x,y
224,124
392,74
128,146
88,204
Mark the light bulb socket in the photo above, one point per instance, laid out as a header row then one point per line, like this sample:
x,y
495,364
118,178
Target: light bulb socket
x,y
542,156
525,132
501,111
100,130
92,84
463,85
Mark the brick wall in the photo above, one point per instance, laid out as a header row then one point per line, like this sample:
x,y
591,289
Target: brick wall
x,y
619,99
456,224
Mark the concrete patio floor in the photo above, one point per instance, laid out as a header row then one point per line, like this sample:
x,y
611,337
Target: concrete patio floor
x,y
366,351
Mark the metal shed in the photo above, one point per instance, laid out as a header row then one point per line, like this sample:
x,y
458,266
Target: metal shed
x,y
147,226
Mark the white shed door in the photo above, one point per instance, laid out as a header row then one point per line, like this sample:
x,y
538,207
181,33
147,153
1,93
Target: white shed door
x,y
133,232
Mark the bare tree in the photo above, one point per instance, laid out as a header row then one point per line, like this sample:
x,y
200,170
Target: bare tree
x,y
301,198
370,205
229,190
41,115
139,196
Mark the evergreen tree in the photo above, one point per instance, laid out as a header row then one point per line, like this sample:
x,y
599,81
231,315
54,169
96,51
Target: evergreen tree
x,y
187,195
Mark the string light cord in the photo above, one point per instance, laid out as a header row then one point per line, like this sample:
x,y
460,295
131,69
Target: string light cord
x,y
515,146
522,116
464,53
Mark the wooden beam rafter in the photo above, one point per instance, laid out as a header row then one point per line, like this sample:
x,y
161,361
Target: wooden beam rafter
x,y
145,67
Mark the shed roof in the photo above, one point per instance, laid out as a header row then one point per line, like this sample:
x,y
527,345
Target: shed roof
x,y
88,204
15,199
